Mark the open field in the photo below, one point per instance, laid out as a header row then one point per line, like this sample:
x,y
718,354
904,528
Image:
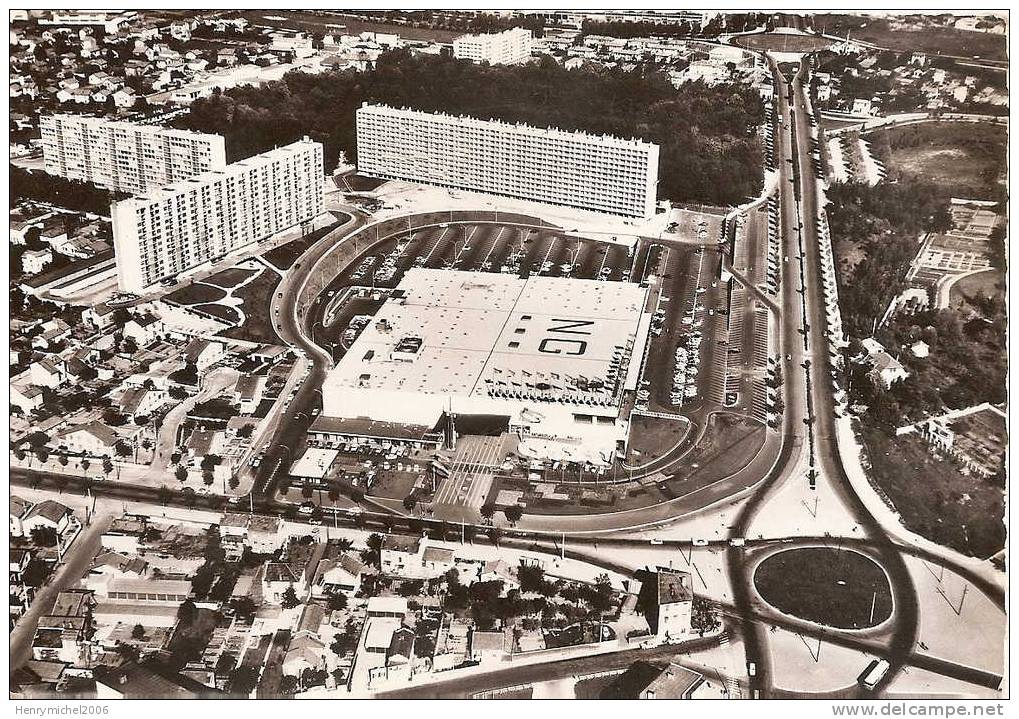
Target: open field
x,y
967,159
934,498
782,42
910,37
834,587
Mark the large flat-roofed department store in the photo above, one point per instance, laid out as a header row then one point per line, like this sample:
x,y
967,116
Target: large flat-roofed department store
x,y
574,169
200,220
550,356
124,156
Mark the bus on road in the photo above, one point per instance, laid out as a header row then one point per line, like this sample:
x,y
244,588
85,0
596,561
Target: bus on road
x,y
874,673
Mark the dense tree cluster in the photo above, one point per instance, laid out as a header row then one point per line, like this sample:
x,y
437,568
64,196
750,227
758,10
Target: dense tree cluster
x,y
884,223
479,22
59,191
709,148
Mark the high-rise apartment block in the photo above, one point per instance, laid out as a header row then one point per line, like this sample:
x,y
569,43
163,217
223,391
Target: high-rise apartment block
x,y
510,47
200,220
124,156
574,169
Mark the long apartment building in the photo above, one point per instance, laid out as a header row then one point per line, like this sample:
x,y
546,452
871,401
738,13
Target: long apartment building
x,y
509,47
124,156
200,220
573,169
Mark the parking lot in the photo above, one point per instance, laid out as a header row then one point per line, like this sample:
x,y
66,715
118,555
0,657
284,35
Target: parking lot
x,y
486,247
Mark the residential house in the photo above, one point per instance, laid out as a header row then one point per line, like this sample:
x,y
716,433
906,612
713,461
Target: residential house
x,y
100,316
260,534
125,98
670,607
248,392
21,594
340,575
49,514
35,261
141,402
125,534
885,369
487,646
50,371
675,682
204,353
143,329
62,634
25,395
401,556
306,651
19,509
387,607
93,439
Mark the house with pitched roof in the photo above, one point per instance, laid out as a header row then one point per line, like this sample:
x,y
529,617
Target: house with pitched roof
x,y
47,513
94,439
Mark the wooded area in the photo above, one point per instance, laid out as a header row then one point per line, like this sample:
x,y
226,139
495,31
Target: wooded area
x,y
709,148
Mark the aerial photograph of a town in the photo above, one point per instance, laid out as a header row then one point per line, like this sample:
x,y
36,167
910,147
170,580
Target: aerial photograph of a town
x,y
509,354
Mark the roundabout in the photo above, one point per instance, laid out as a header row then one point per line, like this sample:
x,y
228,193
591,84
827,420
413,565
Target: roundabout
x,y
839,588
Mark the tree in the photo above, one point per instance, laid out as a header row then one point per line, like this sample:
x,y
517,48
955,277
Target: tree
x,y
513,513
138,633
85,464
243,606
234,482
207,477
289,600
181,473
107,466
337,602
63,460
163,494
122,449
19,454
487,511
174,457
409,502
43,536
288,685
243,680
42,454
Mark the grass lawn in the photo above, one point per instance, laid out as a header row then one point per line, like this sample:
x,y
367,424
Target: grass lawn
x,y
782,42
230,277
934,498
835,587
255,296
228,314
967,159
652,437
286,255
195,294
989,283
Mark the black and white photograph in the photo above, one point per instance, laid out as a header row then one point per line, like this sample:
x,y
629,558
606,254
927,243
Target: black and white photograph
x,y
456,354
